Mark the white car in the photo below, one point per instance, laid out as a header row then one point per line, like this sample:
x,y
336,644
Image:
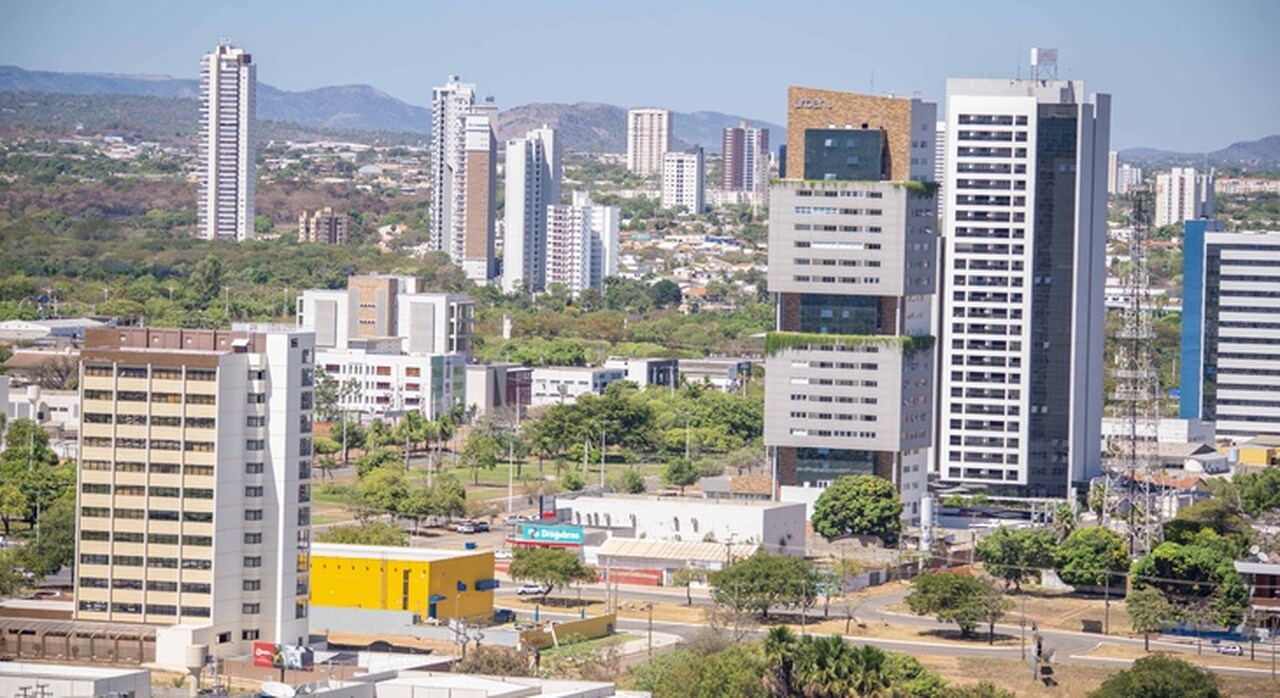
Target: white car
x,y
503,555
530,588
1233,650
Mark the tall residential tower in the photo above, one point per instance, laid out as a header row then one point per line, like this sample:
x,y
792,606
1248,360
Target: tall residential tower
x,y
228,85
648,139
852,243
463,177
745,150
1022,322
533,184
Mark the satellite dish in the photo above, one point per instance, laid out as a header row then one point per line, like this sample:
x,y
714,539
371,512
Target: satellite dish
x,y
1254,550
275,689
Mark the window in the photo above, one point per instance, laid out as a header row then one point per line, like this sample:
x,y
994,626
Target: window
x,y
253,561
198,516
86,534
162,586
95,512
196,611
201,374
256,398
252,585
197,493
252,514
256,421
97,395
93,583
168,563
188,564
198,541
164,491
251,609
224,638
253,468
254,444
95,606
249,634
200,423
164,538
162,515
126,608
201,400
94,488
97,418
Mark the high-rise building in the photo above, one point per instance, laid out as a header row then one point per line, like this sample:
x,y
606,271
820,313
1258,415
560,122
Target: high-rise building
x,y
382,306
1127,178
1022,322
683,184
463,177
533,184
1113,172
648,139
582,244
1182,194
228,87
324,226
1230,333
745,152
194,484
852,247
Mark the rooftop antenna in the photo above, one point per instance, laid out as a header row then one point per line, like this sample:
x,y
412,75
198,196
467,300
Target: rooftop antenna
x,y
1044,64
873,82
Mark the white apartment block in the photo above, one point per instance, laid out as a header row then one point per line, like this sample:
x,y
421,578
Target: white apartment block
x,y
1183,194
463,178
557,385
390,383
683,181
648,139
745,154
378,306
1231,332
1128,178
1023,299
582,244
532,184
194,484
228,86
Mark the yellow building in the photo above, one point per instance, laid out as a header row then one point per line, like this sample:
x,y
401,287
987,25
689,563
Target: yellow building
x,y
440,584
1260,452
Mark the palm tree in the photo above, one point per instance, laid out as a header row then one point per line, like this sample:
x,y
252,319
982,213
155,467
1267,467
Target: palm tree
x,y
779,653
868,677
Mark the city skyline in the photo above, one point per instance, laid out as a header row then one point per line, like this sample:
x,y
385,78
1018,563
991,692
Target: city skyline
x,y
1092,42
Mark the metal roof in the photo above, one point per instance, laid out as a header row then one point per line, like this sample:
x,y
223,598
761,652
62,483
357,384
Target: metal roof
x,y
684,551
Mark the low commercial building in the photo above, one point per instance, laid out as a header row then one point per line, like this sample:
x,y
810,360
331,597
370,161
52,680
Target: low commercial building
x,y
645,372
728,375
1260,452
68,681
420,684
433,584
636,561
777,527
390,382
498,386
1262,577
556,385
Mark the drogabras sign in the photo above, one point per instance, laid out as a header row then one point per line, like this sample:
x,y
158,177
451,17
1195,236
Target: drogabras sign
x,y
555,535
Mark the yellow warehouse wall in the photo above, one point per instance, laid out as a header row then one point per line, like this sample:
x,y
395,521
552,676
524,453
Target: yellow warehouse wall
x,y
377,582
1257,456
588,628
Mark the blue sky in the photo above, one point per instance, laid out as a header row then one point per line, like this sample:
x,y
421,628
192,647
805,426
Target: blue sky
x,y
1185,75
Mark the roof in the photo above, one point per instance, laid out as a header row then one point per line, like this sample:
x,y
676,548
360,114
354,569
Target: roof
x,y
387,552
65,671
70,322
1263,441
25,360
1257,567
683,551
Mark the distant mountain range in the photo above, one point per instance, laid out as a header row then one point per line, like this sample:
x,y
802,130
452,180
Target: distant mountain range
x,y
1262,155
584,126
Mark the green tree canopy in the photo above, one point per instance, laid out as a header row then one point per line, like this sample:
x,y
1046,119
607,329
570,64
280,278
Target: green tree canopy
x,y
550,567
1149,611
859,505
1014,554
764,580
1194,576
368,533
1091,557
1160,677
953,597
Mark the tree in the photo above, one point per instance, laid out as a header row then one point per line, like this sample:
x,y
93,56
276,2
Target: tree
x,y
1013,554
55,548
492,660
779,655
1254,493
550,567
1160,676
488,443
13,504
383,490
373,460
573,481
679,472
378,435
765,580
1191,575
1216,515
631,482
859,505
957,598
206,279
368,533
1091,557
12,580
685,577
1149,611
665,293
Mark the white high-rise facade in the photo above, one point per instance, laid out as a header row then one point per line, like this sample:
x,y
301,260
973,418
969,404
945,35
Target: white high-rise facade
x,y
194,484
1022,324
228,86
683,183
463,177
533,184
1183,194
745,152
582,244
648,139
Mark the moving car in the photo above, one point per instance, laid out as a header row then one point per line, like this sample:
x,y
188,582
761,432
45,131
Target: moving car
x,y
531,588
1233,650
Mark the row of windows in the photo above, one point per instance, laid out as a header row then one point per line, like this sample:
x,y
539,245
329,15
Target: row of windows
x,y
155,468
840,416
836,433
805,227
803,278
154,491
836,211
140,561
839,399
143,396
194,374
155,444
137,585
151,515
155,421
842,193
139,537
803,261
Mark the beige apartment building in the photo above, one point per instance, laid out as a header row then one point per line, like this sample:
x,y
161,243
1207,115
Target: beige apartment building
x,y
194,484
324,226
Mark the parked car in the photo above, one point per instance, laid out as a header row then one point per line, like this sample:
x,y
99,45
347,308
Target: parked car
x,y
503,555
464,527
503,615
1233,650
531,588
481,526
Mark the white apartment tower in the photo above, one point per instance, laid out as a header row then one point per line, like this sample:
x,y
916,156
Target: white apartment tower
x,y
228,86
194,484
683,184
648,139
533,184
1183,194
1022,325
463,177
745,152
582,244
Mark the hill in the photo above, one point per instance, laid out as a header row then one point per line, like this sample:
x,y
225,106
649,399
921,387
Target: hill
x,y
151,104
1262,155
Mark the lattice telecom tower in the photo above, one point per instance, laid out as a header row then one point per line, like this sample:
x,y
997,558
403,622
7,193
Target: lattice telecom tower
x,y
1132,464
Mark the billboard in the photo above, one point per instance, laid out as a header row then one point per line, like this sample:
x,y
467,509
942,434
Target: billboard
x,y
550,535
269,655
